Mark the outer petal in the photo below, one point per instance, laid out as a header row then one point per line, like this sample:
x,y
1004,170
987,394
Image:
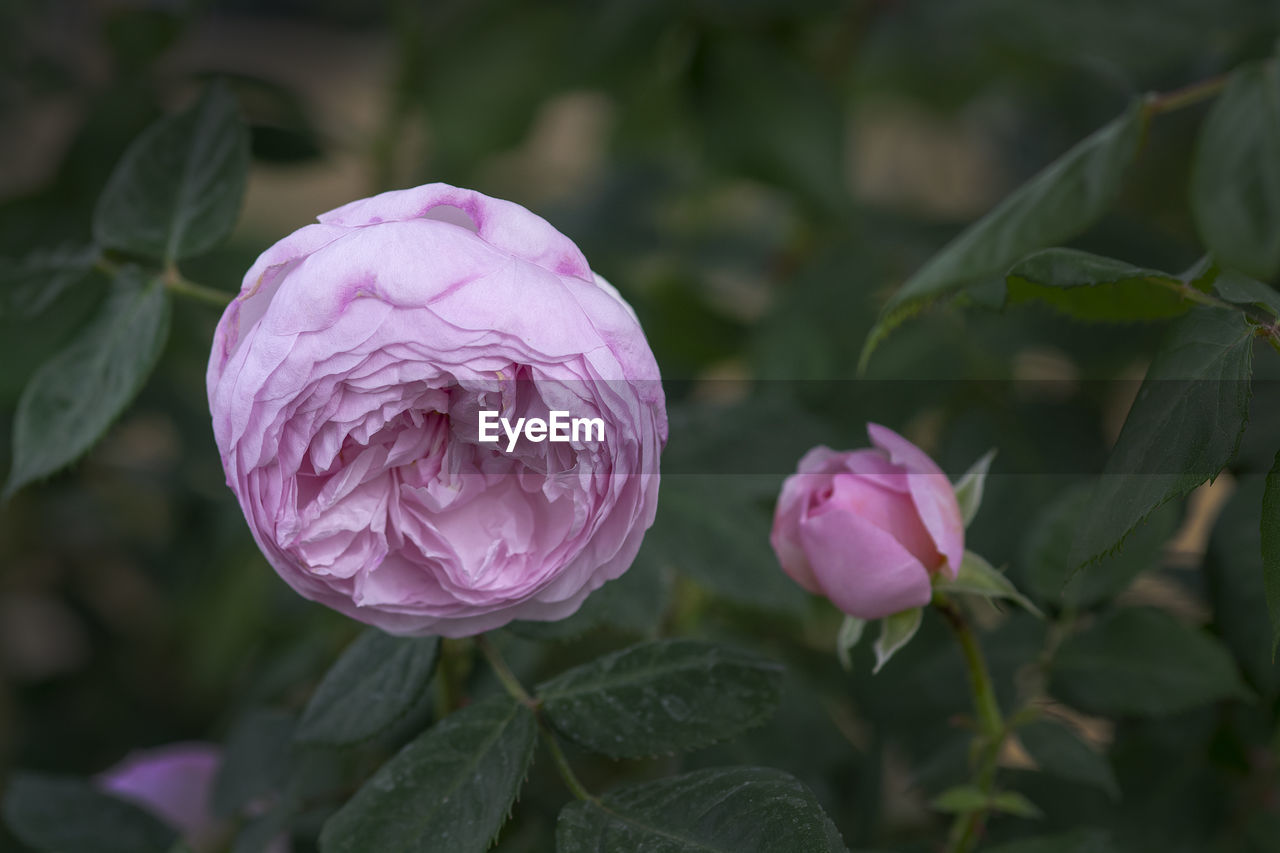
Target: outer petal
x,y
861,568
931,491
784,536
892,511
502,224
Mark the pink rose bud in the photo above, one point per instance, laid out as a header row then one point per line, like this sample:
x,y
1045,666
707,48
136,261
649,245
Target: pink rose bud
x,y
174,783
435,416
868,528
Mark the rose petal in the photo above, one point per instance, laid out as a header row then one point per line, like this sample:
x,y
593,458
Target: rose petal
x,y
934,497
863,570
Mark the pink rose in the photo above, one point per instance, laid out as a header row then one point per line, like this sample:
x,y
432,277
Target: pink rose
x,y
349,383
868,528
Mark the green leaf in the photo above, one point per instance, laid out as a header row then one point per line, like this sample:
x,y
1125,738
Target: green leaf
x,y
1049,572
850,634
1235,177
895,632
1080,841
1058,752
449,789
710,527
1239,289
1236,585
30,285
74,397
1091,287
72,816
1271,549
1054,206
661,697
377,680
728,810
970,486
255,760
1143,662
966,799
978,577
176,192
1184,426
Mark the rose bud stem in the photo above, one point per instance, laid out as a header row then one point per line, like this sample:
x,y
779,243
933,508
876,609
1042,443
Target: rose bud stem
x,y
967,828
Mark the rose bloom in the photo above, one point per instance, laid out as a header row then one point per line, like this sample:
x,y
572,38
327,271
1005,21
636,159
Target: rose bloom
x,y
346,382
869,528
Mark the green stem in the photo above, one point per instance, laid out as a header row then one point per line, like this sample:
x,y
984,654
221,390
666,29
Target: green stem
x,y
175,282
991,728
451,672
518,692
199,292
570,778
1159,103
504,673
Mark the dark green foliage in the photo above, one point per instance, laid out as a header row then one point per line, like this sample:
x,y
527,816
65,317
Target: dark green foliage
x,y
377,680
450,788
734,810
661,697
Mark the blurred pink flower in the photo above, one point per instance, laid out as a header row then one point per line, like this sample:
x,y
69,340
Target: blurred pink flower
x,y
868,528
174,783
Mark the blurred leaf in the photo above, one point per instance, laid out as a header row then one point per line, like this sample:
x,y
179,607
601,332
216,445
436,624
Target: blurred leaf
x,y
978,577
72,399
1079,841
1271,549
482,84
1054,206
1184,426
377,680
1050,574
1144,662
449,789
30,285
730,810
1091,287
138,37
1235,178
970,486
716,534
966,799
255,760
895,632
851,630
1239,289
1236,584
633,603
1058,752
259,834
280,129
176,191
662,697
769,117
72,816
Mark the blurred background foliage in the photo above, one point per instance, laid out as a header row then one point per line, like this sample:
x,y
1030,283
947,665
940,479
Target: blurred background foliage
x,y
756,176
